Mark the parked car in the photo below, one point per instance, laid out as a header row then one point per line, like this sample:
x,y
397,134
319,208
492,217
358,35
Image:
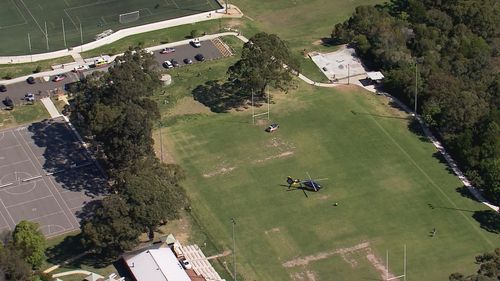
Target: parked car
x,y
100,62
167,50
59,77
8,102
199,57
29,97
80,68
187,61
175,63
3,88
273,127
186,264
196,42
31,80
167,64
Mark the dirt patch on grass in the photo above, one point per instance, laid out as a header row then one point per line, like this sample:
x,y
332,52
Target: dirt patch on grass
x,y
317,42
220,171
281,155
275,229
187,105
304,276
346,254
163,153
378,265
303,261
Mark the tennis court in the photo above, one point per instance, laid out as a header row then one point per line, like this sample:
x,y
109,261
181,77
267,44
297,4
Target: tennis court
x,y
46,176
25,23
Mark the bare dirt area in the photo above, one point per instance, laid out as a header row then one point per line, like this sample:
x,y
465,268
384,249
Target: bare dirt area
x,y
347,256
222,168
304,276
275,229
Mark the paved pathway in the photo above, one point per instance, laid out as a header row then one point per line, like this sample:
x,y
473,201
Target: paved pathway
x,y
51,108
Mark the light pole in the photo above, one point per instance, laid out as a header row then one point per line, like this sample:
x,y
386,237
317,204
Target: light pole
x,y
161,143
233,222
416,87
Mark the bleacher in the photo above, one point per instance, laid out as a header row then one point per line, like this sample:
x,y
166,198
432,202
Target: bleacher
x,y
200,264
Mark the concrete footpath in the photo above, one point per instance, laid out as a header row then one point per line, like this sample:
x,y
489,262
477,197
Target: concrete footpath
x,y
51,108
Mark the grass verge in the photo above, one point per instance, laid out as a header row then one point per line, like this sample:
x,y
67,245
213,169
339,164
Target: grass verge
x,y
9,71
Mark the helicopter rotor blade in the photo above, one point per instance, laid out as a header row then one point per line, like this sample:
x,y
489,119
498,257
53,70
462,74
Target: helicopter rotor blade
x,y
305,193
312,182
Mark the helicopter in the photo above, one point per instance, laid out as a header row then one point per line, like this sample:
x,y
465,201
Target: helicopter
x,y
308,184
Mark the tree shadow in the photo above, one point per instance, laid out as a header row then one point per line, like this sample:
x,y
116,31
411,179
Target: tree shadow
x,y
221,97
440,157
66,159
464,191
329,42
71,247
489,220
415,127
377,115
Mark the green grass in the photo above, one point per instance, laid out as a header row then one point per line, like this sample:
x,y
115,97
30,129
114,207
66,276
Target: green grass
x,y
158,37
17,70
23,114
20,18
384,177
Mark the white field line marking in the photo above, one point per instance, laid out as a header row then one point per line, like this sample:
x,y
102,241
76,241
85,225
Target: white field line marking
x,y
429,179
43,32
7,184
29,201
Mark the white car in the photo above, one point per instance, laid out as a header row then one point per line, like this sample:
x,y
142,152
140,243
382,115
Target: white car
x,y
80,68
168,64
29,97
186,264
196,42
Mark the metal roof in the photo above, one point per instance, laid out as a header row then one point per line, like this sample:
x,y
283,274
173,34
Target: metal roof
x,y
156,265
375,75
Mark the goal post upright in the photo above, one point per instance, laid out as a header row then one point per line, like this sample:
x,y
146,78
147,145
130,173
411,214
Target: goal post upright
x,y
263,113
404,267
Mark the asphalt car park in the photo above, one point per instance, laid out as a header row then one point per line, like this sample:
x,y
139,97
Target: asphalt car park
x,y
188,51
17,91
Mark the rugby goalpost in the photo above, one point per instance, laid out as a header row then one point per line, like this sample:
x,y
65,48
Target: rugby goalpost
x,y
263,113
387,278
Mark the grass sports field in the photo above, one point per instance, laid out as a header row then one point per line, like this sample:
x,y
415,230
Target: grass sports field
x,y
391,189
18,18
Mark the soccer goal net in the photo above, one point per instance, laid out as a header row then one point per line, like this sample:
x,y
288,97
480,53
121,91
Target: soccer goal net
x,y
129,17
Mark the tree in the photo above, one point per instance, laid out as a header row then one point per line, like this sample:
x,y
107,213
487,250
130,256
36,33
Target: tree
x,y
265,61
12,265
30,242
152,194
110,230
115,109
489,268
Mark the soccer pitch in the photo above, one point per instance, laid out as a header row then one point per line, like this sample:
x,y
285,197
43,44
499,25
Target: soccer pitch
x,y
42,19
390,187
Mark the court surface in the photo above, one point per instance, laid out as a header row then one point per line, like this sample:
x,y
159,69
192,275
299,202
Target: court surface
x,y
46,176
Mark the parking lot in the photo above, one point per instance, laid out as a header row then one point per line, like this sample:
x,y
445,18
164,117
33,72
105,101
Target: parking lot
x,y
210,49
46,176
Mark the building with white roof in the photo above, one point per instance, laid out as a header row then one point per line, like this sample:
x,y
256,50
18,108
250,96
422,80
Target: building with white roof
x,y
158,264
